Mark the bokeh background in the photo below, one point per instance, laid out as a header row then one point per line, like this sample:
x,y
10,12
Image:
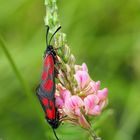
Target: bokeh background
x,y
105,34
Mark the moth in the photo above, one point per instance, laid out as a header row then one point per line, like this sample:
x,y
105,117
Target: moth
x,y
46,89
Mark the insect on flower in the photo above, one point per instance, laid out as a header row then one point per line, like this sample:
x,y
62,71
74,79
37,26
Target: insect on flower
x,y
46,89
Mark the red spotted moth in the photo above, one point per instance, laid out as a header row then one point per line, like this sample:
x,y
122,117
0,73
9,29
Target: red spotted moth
x,y
46,89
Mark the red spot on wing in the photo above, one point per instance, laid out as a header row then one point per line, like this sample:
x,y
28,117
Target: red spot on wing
x,y
51,70
48,85
45,101
50,112
44,75
49,60
51,104
48,66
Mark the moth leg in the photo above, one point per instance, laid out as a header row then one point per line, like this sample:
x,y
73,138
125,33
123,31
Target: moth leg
x,y
57,60
63,117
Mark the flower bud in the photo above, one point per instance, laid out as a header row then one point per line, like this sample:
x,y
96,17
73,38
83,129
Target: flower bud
x,y
71,61
102,94
82,78
66,54
68,69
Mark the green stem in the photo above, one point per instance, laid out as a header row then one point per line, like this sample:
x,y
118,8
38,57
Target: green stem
x,y
51,19
93,135
15,69
25,86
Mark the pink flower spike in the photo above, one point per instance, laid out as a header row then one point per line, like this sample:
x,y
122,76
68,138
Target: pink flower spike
x,y
77,112
95,85
90,102
65,94
82,78
73,104
61,96
96,110
59,102
102,94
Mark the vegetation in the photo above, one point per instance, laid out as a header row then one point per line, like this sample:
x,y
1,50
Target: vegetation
x,y
104,34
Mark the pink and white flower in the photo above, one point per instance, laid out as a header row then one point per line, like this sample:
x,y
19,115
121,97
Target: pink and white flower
x,y
87,100
62,96
73,106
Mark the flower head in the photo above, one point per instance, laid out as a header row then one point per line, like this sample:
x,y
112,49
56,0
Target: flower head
x,y
87,100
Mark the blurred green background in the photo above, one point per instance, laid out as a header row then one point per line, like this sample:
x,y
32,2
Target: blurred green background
x,y
105,34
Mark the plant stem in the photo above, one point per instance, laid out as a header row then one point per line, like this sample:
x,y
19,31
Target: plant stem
x,y
24,84
93,135
15,69
51,19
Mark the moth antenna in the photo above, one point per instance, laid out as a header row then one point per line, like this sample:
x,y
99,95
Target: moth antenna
x,y
47,32
55,134
54,34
